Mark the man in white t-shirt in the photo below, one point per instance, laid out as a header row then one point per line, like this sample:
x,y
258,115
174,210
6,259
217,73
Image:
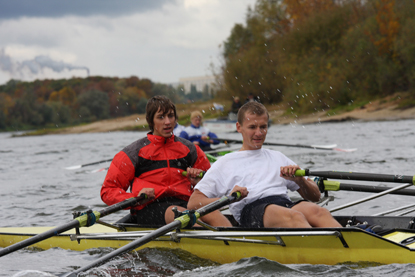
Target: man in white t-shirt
x,y
263,177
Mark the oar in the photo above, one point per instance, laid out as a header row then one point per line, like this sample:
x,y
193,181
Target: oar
x,y
358,176
179,222
218,149
210,157
83,165
99,170
336,186
373,196
319,147
80,221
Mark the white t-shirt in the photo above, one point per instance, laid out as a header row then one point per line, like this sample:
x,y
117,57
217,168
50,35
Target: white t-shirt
x,y
257,170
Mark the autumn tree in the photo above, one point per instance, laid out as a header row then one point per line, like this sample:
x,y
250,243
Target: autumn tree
x,y
388,26
93,105
299,10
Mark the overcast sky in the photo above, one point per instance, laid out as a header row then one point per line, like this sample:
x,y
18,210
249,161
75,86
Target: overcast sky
x,y
162,40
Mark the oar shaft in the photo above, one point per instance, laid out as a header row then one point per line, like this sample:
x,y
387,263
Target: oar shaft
x,y
77,222
45,235
104,161
296,145
83,165
369,198
319,147
177,223
132,245
122,205
358,176
366,188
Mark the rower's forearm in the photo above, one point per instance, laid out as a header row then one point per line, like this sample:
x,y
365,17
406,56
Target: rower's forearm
x,y
310,190
197,201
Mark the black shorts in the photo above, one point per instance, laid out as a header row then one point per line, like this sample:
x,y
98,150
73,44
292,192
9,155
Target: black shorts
x,y
153,214
253,214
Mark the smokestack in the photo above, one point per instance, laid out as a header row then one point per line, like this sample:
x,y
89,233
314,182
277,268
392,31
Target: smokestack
x,y
37,68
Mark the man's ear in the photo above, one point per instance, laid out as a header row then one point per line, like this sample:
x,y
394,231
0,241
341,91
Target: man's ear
x,y
238,127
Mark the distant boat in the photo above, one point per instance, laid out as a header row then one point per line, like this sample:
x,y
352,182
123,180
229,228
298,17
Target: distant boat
x,y
222,124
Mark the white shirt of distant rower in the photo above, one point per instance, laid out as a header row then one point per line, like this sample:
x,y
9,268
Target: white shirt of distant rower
x,y
257,170
192,131
178,129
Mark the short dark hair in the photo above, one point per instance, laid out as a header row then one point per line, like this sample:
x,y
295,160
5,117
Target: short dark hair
x,y
154,104
252,108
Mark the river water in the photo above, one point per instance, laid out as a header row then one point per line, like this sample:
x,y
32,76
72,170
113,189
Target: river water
x,y
36,190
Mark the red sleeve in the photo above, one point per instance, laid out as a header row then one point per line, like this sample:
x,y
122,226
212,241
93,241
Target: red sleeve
x,y
202,161
119,177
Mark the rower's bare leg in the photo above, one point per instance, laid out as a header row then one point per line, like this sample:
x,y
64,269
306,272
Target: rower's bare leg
x,y
169,214
315,215
217,219
280,217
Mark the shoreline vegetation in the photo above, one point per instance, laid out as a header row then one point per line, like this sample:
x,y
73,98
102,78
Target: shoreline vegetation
x,y
393,107
331,62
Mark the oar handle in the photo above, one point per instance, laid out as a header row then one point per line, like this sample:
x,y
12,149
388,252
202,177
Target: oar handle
x,y
184,173
301,172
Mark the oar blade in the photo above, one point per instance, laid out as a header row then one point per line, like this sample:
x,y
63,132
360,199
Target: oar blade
x,y
345,150
73,167
330,146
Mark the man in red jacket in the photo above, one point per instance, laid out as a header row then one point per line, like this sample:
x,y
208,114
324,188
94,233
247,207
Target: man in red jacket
x,y
154,165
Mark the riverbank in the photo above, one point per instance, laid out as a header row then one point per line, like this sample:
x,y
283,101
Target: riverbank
x,y
385,109
395,107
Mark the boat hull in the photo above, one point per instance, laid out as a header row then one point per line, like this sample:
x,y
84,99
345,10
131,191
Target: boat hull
x,y
286,246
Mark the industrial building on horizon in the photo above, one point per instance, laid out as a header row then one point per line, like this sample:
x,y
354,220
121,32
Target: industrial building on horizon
x,y
201,83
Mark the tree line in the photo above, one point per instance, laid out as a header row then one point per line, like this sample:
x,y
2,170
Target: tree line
x,y
313,55
56,103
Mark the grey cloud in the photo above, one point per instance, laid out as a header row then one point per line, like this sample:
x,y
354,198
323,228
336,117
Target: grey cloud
x,y
57,8
30,68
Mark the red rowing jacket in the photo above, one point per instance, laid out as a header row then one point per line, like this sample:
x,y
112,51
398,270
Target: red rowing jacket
x,y
152,162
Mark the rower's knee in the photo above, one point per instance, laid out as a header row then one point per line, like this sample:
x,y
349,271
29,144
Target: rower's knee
x,y
297,219
318,211
318,216
277,217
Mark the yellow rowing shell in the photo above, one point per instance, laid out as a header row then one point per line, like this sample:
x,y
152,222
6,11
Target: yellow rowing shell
x,y
287,246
